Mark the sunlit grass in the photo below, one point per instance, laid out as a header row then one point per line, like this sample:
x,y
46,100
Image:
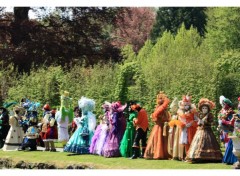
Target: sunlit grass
x,y
62,159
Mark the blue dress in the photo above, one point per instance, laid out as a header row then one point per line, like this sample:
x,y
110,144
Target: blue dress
x,y
229,157
81,138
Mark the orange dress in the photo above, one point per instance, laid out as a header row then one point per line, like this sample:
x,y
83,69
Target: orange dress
x,y
157,146
187,133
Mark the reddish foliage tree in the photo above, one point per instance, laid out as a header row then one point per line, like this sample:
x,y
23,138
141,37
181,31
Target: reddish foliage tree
x,y
133,26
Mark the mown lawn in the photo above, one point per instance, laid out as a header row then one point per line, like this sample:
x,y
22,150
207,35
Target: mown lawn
x,y
62,159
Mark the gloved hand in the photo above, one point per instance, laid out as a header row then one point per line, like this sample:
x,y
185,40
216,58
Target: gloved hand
x,y
200,122
188,125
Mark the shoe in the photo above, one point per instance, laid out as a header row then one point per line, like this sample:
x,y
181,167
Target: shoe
x,y
135,153
53,150
46,150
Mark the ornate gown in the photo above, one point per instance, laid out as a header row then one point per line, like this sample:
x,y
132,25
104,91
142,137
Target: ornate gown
x,y
204,146
81,138
100,136
62,127
117,128
128,137
174,147
226,127
15,135
157,143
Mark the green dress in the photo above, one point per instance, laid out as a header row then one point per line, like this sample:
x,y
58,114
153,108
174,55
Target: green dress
x,y
128,137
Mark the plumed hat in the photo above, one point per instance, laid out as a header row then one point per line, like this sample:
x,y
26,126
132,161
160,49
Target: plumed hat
x,y
118,107
223,100
205,102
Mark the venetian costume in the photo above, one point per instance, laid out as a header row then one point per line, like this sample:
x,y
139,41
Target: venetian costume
x,y
32,133
175,149
129,134
226,125
158,141
4,125
101,132
117,125
15,134
63,117
141,127
204,146
81,139
49,130
187,122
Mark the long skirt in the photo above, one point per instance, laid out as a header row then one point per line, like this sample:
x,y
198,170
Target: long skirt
x,y
204,146
157,145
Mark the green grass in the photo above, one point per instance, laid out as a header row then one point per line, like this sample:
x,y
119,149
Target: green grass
x,y
61,159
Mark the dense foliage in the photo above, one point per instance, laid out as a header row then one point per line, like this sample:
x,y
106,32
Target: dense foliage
x,y
178,63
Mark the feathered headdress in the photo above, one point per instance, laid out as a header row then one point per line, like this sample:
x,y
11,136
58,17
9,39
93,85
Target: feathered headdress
x,y
223,100
205,102
174,105
86,104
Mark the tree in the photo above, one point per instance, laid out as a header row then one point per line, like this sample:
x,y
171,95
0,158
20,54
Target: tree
x,y
64,37
223,29
171,19
133,26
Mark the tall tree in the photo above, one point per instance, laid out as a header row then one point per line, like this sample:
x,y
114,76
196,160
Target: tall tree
x,y
223,29
171,19
133,26
65,36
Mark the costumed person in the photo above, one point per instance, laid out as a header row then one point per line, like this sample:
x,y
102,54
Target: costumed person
x,y
15,134
140,123
226,125
30,140
43,126
77,114
204,146
63,117
32,132
174,147
158,139
25,103
101,131
81,139
4,125
50,134
126,143
187,123
117,125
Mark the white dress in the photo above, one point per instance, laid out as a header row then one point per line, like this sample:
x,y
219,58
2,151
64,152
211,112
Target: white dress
x,y
62,127
15,135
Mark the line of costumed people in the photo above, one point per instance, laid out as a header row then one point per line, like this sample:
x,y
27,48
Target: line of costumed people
x,y
183,133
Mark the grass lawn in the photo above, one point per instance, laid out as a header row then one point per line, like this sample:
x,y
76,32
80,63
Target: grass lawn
x,y
62,159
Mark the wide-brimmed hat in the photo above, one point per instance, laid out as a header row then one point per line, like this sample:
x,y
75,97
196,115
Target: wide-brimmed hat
x,y
118,107
205,102
20,109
